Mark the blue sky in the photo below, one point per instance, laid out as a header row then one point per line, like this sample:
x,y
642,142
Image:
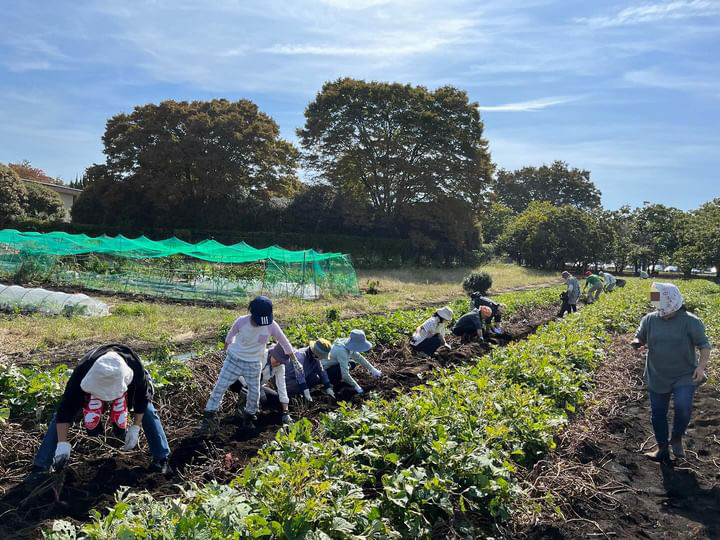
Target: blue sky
x,y
629,90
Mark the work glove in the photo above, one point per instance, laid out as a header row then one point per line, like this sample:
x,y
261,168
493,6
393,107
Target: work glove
x,y
62,455
359,390
298,367
132,435
330,392
376,373
286,418
307,395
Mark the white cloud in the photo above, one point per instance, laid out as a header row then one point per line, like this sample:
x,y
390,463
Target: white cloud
x,y
354,4
527,106
708,84
656,12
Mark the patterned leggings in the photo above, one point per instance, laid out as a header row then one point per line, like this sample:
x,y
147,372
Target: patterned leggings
x,y
232,369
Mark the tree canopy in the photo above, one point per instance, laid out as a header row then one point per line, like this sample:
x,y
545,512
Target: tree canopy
x,y
396,144
13,196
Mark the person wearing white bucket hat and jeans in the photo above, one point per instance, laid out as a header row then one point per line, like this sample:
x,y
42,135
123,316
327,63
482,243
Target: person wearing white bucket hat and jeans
x,y
346,351
111,374
430,335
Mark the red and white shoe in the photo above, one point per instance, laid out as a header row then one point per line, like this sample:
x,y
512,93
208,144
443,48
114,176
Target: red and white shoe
x,y
92,412
119,412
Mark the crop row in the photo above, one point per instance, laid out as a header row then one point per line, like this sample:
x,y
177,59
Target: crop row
x,y
444,455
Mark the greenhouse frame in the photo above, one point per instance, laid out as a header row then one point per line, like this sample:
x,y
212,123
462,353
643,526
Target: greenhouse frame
x,y
172,268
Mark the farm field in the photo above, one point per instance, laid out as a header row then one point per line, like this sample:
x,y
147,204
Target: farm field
x,y
459,454
148,324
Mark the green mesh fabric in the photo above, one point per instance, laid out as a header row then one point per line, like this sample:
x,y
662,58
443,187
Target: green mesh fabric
x,y
173,267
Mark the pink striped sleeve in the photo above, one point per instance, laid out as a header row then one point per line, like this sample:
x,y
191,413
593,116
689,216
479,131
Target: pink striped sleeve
x,y
235,328
277,333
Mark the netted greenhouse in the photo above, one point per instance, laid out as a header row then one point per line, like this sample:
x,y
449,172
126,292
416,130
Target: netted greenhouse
x,y
173,268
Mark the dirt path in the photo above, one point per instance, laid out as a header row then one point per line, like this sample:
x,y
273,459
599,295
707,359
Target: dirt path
x,y
607,488
98,469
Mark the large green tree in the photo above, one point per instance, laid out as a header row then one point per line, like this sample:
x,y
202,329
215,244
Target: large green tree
x,y
174,163
13,196
703,235
556,183
43,203
397,144
657,233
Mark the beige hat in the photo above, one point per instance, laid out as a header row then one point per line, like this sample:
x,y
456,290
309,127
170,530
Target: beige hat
x,y
108,378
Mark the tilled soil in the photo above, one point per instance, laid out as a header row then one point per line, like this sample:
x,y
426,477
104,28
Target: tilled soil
x,y
604,484
98,468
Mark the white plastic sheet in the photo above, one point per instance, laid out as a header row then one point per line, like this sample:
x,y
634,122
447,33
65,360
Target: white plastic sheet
x,y
17,298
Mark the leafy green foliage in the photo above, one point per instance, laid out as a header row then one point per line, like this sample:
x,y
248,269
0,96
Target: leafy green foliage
x,y
479,282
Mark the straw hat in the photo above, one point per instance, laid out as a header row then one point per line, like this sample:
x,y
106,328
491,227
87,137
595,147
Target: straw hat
x,y
321,348
108,378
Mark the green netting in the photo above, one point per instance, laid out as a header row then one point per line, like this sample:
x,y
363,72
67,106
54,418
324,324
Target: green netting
x,y
173,267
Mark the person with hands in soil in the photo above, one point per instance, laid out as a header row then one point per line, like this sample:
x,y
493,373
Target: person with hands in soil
x,y
672,369
430,335
472,324
244,357
478,300
113,375
596,284
345,352
571,296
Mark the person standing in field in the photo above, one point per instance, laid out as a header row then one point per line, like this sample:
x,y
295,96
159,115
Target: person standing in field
x,y
471,324
244,357
610,281
430,335
596,284
477,300
571,295
672,369
345,352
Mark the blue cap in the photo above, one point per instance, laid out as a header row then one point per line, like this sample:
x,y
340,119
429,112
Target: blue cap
x,y
261,310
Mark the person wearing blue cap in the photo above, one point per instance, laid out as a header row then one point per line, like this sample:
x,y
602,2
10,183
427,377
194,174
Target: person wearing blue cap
x,y
244,357
346,351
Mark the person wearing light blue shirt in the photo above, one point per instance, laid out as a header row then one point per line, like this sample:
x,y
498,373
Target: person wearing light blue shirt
x,y
346,351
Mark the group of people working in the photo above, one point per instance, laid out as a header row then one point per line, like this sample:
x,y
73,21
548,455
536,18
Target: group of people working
x,y
594,285
113,376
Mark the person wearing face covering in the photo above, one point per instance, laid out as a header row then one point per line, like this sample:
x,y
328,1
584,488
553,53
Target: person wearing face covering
x,y
672,368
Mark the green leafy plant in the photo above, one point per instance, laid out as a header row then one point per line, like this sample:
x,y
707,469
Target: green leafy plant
x,y
479,282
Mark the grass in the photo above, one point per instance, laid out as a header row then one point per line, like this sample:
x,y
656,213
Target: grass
x,y
153,323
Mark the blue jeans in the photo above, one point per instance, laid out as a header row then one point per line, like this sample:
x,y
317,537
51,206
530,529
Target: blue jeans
x,y
151,424
659,405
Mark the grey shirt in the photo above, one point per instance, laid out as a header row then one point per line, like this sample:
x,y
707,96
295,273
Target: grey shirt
x,y
573,290
671,358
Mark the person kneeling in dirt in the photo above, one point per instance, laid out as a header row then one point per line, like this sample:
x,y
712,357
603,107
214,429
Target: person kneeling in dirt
x,y
430,335
571,296
610,281
345,352
477,300
596,286
472,324
113,375
244,356
671,367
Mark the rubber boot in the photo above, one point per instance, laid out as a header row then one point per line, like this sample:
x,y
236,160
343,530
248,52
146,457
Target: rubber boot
x,y
660,454
208,424
247,421
678,449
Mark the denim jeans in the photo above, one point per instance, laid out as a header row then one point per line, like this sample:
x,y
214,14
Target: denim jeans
x,y
151,424
659,405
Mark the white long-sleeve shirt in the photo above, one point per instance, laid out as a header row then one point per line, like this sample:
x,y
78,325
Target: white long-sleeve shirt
x,y
340,355
434,325
247,342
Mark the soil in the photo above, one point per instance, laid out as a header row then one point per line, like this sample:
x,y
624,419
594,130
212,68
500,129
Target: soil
x,y
604,484
97,469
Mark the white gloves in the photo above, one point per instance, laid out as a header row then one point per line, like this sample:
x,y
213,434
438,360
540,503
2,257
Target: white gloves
x,y
286,418
307,395
359,390
330,392
132,435
376,373
62,454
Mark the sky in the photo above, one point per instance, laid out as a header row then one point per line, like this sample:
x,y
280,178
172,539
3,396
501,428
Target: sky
x,y
629,90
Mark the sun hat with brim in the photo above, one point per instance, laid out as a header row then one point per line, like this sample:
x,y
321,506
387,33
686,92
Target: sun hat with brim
x,y
357,342
108,378
320,348
261,310
445,313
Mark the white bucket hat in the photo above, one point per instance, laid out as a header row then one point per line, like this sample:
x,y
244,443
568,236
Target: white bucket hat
x,y
445,313
108,378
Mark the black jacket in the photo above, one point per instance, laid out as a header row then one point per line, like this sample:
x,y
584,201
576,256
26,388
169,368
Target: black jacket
x,y
139,392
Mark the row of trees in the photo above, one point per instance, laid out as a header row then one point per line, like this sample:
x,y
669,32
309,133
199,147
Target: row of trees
x,y
548,235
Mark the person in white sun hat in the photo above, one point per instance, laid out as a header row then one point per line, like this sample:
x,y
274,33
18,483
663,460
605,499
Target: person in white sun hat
x,y
430,335
345,352
110,375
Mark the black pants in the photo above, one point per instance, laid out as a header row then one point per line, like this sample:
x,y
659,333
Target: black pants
x,y
428,345
567,308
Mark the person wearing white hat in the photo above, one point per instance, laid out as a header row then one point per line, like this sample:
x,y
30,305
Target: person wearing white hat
x,y
672,368
430,335
110,374
344,353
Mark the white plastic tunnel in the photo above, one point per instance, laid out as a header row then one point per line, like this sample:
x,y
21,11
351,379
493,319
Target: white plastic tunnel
x,y
17,298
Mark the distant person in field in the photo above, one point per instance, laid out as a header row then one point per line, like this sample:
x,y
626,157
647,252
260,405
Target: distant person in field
x,y
112,376
478,300
610,281
644,275
472,324
244,356
430,335
344,354
672,369
595,284
290,381
571,295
